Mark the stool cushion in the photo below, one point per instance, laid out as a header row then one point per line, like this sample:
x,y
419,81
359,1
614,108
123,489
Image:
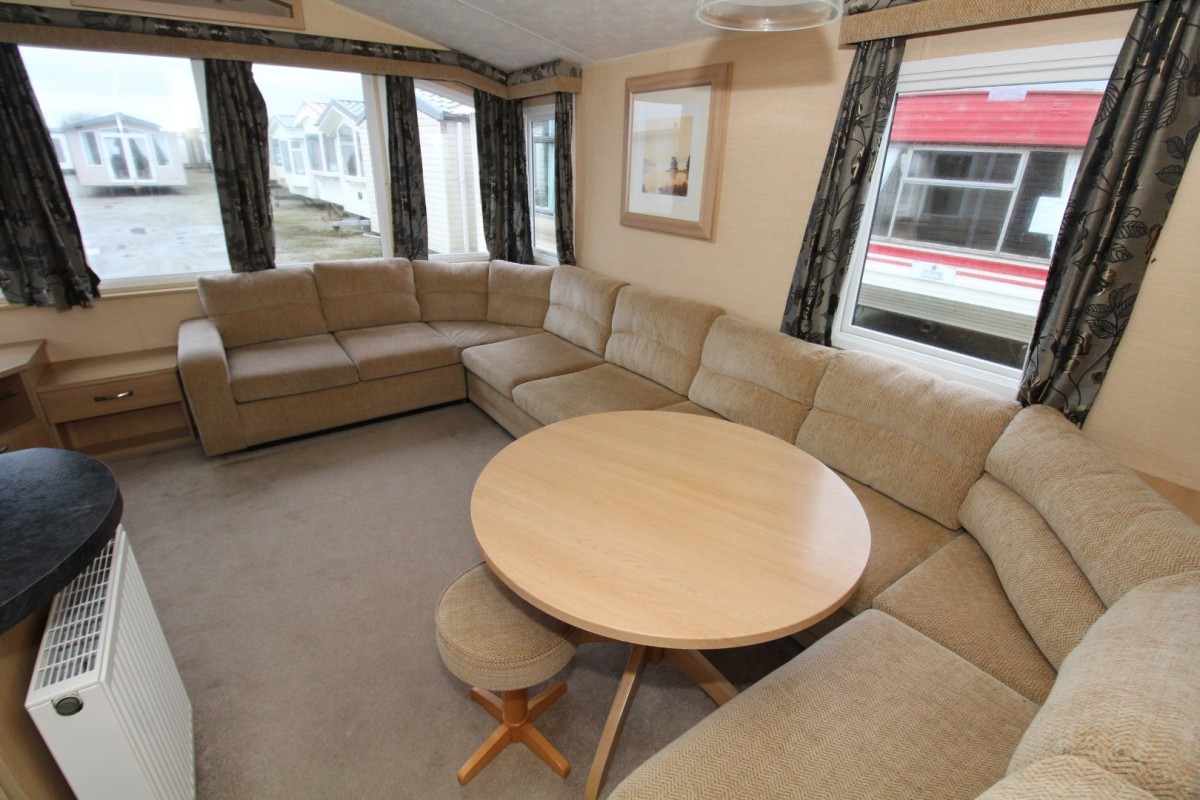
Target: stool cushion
x,y
493,639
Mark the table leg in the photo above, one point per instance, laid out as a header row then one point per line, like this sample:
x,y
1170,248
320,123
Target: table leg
x,y
616,719
693,664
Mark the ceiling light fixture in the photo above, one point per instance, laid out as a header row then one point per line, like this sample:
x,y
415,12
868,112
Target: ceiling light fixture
x,y
767,15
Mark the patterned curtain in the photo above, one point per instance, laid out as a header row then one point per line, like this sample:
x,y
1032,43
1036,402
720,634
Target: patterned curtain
x,y
410,227
837,209
503,185
1140,143
41,252
238,134
564,176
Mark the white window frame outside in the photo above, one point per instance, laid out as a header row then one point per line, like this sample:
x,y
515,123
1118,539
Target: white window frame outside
x,y
1090,61
538,112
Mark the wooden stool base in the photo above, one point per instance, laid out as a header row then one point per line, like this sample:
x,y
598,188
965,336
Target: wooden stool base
x,y
516,714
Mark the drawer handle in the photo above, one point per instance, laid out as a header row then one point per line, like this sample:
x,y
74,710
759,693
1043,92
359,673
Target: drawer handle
x,y
11,393
104,398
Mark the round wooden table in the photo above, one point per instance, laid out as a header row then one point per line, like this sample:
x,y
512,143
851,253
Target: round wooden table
x,y
670,532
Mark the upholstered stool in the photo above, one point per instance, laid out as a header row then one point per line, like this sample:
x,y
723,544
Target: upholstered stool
x,y
492,639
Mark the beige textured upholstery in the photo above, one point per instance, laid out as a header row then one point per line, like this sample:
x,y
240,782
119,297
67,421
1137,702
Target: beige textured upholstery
x,y
1117,529
1127,697
456,290
265,306
955,598
500,408
204,371
505,365
581,307
472,333
1064,778
917,438
396,349
287,367
518,294
491,638
845,720
758,377
606,387
1053,598
366,292
688,407
659,336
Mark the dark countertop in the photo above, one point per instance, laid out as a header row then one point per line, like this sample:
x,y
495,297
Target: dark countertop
x,y
58,509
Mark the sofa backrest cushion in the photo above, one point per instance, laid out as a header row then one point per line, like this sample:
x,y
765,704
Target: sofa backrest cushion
x,y
264,306
452,290
581,307
1117,529
518,294
1128,697
367,292
659,336
1044,585
911,435
758,377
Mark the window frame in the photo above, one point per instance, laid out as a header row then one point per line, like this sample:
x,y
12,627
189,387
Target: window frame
x,y
535,112
1087,61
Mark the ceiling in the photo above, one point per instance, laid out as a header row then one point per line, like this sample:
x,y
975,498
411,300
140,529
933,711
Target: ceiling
x,y
511,34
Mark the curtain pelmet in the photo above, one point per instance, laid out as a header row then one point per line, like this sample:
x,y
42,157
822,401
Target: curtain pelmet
x,y
410,224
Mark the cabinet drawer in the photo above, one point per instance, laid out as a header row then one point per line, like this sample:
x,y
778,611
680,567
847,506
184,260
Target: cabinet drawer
x,y
33,434
110,397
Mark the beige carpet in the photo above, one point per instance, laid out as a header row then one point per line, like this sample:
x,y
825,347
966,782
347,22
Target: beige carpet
x,y
296,585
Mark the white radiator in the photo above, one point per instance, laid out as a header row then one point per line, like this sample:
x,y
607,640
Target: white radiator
x,y
106,695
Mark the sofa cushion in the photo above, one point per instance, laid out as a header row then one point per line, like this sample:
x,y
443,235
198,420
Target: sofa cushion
x,y
1117,529
1053,598
472,333
1064,778
688,407
1128,697
387,350
366,292
606,387
873,709
581,307
518,294
264,306
917,438
452,289
659,336
955,598
291,366
759,377
900,540
505,365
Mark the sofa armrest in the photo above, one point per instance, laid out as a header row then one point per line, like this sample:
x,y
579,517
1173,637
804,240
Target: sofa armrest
x,y
205,374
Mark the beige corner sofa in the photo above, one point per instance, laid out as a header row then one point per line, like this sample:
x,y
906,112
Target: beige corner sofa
x,y
1027,625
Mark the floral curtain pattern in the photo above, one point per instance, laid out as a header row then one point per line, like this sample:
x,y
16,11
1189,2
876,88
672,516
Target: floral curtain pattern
x,y
410,225
239,139
837,209
564,180
503,181
42,261
1138,148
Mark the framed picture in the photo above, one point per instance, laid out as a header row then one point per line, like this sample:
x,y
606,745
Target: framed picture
x,y
264,13
674,140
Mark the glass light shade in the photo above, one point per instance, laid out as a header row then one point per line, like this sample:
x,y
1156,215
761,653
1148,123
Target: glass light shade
x,y
767,15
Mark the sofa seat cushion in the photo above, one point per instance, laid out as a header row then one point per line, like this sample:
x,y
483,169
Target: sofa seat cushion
x,y
1064,778
873,709
900,540
955,598
287,367
606,387
505,365
387,350
688,407
472,333
1128,697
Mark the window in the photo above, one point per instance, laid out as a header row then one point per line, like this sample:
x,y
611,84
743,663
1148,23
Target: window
x,y
964,207
539,136
143,209
61,153
328,202
446,125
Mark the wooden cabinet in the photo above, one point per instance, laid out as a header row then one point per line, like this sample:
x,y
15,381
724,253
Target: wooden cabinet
x,y
22,423
117,405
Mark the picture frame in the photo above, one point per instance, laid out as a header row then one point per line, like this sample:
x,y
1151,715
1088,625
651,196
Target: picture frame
x,y
674,145
284,14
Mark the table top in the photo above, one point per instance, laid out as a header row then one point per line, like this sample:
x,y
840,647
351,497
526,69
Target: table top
x,y
59,510
670,529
